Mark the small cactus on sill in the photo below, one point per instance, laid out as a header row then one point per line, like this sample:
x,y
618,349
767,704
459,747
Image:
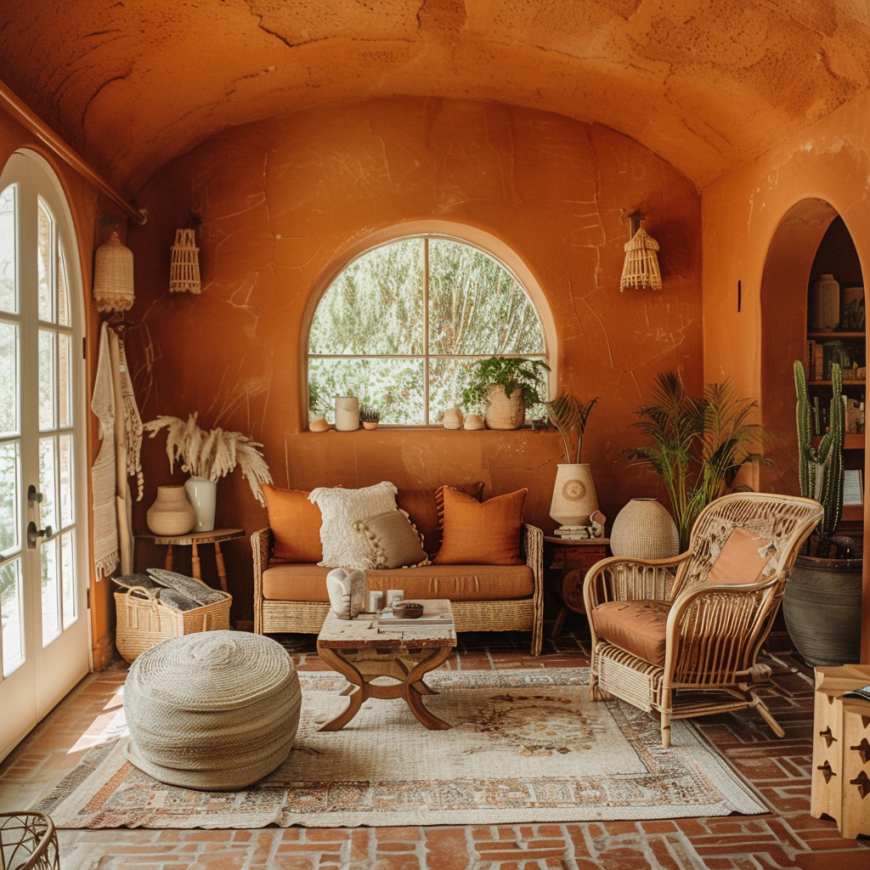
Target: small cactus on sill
x,y
821,470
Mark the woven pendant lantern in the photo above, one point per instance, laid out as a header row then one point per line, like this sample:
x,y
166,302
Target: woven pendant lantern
x,y
184,264
113,276
641,269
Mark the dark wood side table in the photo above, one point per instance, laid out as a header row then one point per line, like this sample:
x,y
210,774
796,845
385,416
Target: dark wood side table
x,y
565,566
193,540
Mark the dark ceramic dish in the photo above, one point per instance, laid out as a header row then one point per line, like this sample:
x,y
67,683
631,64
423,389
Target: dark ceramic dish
x,y
407,610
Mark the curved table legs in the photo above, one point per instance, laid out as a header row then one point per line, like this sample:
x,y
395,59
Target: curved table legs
x,y
408,666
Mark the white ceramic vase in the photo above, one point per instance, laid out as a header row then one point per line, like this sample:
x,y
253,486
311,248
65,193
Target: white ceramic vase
x,y
644,529
171,513
202,494
574,497
346,413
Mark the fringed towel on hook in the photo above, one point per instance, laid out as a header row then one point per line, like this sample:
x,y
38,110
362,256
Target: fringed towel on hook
x,y
106,552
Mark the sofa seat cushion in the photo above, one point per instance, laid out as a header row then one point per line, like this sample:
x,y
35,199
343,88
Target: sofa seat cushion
x,y
637,627
456,582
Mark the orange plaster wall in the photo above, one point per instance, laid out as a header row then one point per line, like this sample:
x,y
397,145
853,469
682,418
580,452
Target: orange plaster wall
x,y
284,203
828,162
86,207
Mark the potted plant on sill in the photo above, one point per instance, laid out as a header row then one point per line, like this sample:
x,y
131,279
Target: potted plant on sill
x,y
574,498
317,408
696,446
822,601
506,386
369,416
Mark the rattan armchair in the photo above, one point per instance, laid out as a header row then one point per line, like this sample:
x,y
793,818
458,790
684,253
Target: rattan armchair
x,y
712,632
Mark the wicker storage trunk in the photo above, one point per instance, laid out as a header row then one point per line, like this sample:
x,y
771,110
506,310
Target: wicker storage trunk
x,y
143,622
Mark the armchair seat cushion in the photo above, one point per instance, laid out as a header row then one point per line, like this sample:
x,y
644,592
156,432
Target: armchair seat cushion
x,y
637,627
456,582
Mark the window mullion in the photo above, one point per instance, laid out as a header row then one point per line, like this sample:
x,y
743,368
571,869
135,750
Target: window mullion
x,y
426,420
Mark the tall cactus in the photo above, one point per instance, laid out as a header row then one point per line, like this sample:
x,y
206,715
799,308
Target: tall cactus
x,y
821,471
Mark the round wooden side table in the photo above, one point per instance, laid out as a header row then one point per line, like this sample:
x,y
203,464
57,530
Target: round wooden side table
x,y
193,540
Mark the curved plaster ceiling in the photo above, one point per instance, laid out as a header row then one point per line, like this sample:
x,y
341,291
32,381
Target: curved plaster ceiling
x,y
706,84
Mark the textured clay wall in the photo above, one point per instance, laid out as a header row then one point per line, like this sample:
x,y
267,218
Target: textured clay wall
x,y
286,203
791,195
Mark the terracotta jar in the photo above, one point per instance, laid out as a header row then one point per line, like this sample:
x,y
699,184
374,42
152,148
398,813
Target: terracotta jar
x,y
171,513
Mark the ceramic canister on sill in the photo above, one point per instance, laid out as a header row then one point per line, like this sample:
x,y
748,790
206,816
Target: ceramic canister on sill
x,y
346,413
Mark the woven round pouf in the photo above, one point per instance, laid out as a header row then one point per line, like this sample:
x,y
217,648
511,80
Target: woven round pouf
x,y
216,710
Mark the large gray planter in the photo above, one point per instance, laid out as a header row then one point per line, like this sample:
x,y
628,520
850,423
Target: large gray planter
x,y
822,609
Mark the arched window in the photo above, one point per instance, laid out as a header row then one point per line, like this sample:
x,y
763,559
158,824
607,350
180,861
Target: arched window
x,y
400,326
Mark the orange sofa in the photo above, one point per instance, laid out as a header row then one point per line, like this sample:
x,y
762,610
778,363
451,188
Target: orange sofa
x,y
291,597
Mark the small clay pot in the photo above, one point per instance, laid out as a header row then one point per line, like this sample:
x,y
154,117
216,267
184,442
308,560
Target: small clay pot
x,y
318,424
370,424
407,610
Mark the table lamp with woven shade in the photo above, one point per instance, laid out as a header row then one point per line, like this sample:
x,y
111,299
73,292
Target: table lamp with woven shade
x,y
184,264
113,276
574,497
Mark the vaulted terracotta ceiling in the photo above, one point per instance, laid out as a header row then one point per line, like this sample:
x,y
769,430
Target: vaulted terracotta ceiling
x,y
706,84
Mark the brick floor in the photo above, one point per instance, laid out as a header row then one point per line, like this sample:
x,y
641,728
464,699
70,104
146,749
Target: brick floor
x,y
786,838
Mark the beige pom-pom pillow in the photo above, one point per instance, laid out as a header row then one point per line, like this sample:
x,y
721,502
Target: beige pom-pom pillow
x,y
394,541
343,545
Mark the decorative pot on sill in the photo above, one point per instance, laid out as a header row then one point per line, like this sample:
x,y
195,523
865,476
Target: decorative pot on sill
x,y
346,413
202,494
574,497
171,513
644,529
503,412
453,418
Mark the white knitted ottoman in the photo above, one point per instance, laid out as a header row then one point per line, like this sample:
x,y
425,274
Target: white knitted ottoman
x,y
214,711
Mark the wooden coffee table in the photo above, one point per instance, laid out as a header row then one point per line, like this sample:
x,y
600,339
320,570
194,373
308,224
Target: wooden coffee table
x,y
361,653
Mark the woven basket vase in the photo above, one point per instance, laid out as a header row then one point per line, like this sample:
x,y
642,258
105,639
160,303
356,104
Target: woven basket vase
x,y
643,529
171,513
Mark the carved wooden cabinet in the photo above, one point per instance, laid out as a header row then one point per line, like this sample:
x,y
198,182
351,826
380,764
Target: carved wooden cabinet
x,y
566,564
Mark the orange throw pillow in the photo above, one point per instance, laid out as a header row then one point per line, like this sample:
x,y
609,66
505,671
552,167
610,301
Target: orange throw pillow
x,y
295,525
740,560
480,534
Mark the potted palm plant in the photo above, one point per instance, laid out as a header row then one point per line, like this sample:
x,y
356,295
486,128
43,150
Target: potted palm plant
x,y
696,446
506,386
574,497
822,601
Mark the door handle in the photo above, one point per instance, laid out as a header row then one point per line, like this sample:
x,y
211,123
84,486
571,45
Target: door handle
x,y
34,534
33,495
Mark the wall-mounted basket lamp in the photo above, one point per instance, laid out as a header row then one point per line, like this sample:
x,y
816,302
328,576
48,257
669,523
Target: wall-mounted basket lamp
x,y
184,264
113,276
641,269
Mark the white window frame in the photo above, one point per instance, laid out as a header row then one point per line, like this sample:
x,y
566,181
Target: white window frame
x,y
426,356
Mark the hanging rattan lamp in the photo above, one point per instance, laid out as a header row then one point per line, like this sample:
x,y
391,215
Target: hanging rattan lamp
x,y
113,276
184,264
641,268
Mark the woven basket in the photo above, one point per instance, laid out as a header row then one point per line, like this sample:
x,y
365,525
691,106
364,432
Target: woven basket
x,y
144,622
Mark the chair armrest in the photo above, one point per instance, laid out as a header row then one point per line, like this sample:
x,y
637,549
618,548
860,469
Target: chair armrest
x,y
533,544
715,632
620,579
261,545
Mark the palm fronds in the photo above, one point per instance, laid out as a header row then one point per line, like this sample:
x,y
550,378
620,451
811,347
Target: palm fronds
x,y
696,446
213,454
569,415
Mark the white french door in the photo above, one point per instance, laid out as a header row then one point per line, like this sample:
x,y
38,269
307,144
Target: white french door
x,y
44,640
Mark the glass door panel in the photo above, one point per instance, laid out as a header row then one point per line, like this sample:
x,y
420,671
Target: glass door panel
x,y
44,640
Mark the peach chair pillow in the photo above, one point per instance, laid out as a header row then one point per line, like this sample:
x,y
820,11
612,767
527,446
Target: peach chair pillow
x,y
742,559
295,525
474,533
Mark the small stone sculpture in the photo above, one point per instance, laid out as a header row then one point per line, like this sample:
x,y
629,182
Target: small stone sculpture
x,y
348,592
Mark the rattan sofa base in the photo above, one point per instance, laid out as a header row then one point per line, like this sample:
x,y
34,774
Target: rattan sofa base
x,y
306,617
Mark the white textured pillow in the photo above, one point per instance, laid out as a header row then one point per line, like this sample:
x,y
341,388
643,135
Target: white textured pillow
x,y
343,545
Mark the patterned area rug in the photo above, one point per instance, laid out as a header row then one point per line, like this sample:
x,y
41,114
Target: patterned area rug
x,y
526,746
